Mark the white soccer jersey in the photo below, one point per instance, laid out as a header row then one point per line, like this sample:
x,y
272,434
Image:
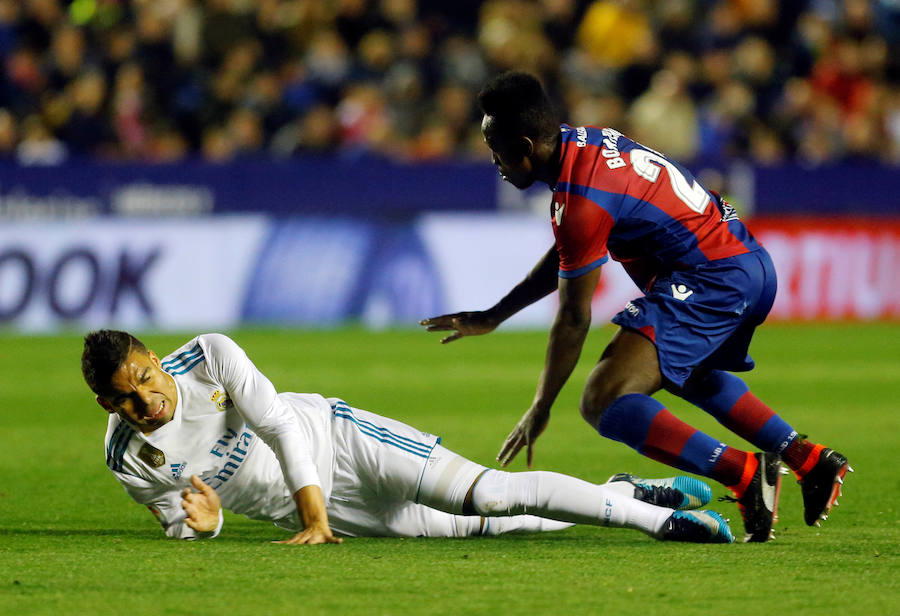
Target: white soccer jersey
x,y
230,427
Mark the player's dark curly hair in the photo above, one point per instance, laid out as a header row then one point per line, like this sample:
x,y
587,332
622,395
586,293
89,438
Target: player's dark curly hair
x,y
519,106
104,351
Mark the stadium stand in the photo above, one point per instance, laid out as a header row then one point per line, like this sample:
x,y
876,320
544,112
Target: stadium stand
x,y
812,81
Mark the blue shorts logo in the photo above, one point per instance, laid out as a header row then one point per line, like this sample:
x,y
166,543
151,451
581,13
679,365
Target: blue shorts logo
x,y
681,292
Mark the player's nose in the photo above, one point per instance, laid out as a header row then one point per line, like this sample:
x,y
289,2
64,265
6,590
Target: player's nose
x,y
146,398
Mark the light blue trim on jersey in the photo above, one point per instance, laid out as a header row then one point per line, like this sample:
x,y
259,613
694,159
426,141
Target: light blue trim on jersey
x,y
381,433
182,358
110,447
575,273
119,445
184,362
187,368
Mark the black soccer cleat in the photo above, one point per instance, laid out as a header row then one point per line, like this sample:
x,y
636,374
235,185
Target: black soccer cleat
x,y
759,503
821,486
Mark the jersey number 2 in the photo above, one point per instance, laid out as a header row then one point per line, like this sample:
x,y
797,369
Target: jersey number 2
x,y
648,165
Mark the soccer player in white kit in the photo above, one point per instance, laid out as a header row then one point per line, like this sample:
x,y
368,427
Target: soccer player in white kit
x,y
203,429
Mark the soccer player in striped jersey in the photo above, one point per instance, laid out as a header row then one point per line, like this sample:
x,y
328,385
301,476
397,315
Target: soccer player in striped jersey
x,y
203,428
706,282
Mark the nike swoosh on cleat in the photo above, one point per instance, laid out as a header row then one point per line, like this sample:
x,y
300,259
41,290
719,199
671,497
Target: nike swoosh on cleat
x,y
768,493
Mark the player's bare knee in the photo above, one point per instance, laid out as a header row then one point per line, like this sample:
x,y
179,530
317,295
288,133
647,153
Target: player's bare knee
x,y
595,400
591,410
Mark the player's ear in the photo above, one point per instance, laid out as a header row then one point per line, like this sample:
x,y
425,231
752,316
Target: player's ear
x,y
154,359
527,146
105,404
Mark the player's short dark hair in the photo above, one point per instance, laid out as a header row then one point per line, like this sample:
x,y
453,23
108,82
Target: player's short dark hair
x,y
104,351
520,107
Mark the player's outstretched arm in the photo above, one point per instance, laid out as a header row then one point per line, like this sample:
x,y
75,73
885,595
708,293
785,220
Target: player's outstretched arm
x,y
540,282
201,505
311,505
570,328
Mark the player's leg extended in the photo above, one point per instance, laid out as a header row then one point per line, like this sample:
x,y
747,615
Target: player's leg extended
x,y
392,479
727,398
561,497
617,403
457,485
417,520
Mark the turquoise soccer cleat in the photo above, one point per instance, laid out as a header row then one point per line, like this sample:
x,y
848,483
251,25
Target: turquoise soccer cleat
x,y
673,492
696,526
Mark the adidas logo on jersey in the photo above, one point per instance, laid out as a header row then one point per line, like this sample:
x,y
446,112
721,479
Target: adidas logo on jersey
x,y
177,469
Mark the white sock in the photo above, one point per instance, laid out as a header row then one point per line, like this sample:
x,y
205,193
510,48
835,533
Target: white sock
x,y
621,487
564,498
521,524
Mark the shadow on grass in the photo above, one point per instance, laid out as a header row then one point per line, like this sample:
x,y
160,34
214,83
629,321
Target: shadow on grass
x,y
582,537
78,532
254,536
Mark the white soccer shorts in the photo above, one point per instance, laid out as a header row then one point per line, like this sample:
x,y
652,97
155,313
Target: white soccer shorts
x,y
393,480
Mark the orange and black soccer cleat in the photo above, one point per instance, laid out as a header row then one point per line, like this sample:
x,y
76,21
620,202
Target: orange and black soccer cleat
x,y
821,485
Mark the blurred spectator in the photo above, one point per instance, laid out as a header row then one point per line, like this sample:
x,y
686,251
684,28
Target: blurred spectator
x,y
162,80
9,135
86,130
615,32
666,116
129,100
38,145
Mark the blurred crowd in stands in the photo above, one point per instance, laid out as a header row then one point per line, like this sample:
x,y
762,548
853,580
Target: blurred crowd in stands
x,y
813,81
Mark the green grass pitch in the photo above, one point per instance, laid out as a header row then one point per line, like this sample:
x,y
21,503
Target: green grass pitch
x,y
72,541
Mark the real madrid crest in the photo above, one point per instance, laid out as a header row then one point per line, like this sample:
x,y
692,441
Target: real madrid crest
x,y
221,399
152,456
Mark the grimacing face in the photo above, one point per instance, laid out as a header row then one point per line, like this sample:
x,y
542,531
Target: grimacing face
x,y
509,155
140,392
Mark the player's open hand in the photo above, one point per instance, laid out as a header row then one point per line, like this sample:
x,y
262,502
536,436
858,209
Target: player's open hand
x,y
526,432
201,506
461,324
313,535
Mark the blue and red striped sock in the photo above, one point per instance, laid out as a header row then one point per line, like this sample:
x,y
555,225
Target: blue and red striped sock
x,y
728,399
647,426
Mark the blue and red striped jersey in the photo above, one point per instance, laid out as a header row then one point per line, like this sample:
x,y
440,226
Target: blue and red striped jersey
x,y
615,197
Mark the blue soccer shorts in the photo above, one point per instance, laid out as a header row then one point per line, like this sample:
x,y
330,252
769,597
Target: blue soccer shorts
x,y
705,316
